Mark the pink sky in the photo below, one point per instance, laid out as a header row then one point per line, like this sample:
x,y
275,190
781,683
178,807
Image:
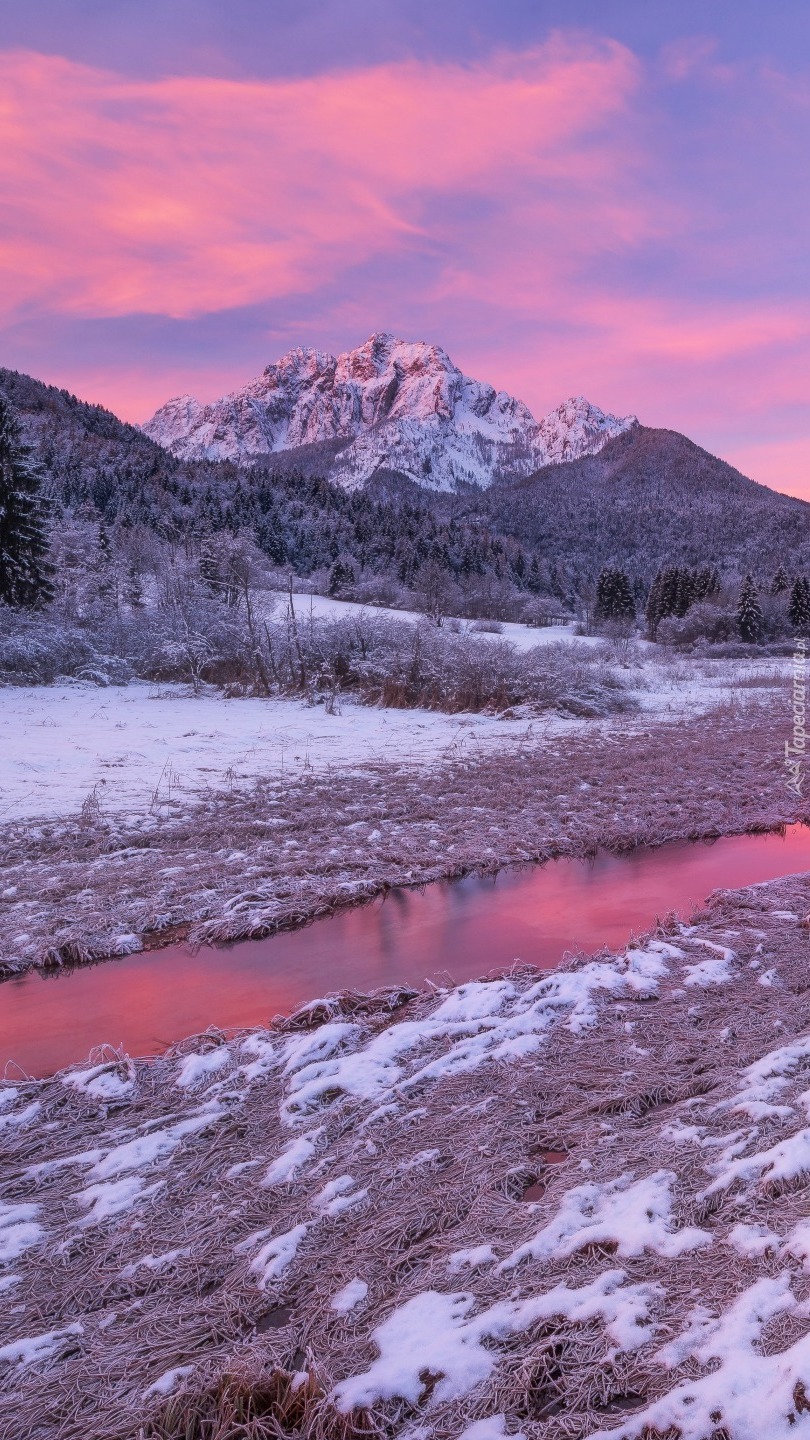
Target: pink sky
x,y
568,217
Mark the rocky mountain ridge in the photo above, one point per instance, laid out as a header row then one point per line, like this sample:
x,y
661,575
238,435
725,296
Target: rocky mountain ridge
x,y
388,406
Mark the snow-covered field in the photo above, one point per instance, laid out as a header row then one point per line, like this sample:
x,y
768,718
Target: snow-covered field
x,y
523,637
142,746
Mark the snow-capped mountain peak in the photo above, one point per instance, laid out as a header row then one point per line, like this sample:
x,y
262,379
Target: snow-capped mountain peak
x,y
390,405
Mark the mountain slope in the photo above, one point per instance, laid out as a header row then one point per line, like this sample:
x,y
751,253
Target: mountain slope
x,y
389,405
650,496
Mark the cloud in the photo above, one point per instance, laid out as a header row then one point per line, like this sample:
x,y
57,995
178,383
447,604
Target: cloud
x,y
179,196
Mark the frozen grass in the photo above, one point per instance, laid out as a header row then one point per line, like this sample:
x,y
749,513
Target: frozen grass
x,y
653,1284
249,862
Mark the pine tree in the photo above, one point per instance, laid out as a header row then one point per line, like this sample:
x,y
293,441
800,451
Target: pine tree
x,y
669,591
24,569
654,612
342,573
749,613
684,593
799,606
614,596
780,582
133,592
623,603
103,564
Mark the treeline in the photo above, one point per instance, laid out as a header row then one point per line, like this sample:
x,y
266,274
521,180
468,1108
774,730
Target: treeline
x,y
686,606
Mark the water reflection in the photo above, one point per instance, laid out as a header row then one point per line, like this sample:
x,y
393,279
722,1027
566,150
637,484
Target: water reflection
x,y
460,929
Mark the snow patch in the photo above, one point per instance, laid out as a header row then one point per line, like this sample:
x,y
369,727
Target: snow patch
x,y
19,1230
168,1381
747,1395
195,1069
438,1333
349,1297
628,1216
19,1354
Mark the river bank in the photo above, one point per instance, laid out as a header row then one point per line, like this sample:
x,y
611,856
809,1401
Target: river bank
x,y
242,864
570,1205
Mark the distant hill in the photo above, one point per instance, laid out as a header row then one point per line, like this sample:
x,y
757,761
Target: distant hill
x,y
649,496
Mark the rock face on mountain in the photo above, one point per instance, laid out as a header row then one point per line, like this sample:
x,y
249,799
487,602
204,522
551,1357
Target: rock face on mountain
x,y
390,405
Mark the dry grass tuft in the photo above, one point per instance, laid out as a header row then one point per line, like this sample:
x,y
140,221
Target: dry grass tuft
x,y
249,1402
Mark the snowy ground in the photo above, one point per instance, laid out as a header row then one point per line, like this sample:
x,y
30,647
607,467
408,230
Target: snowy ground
x,y
538,1207
140,746
524,637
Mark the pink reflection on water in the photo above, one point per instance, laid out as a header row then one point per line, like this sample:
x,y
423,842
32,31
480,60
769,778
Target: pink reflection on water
x,y
460,929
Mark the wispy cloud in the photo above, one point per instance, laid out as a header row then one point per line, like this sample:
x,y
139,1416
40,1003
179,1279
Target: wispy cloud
x,y
186,195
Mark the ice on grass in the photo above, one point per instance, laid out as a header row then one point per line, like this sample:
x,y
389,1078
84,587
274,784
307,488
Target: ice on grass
x,y
746,1394
438,1333
349,1297
625,1215
19,1230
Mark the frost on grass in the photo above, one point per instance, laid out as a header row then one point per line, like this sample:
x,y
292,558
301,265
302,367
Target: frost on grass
x,y
407,1220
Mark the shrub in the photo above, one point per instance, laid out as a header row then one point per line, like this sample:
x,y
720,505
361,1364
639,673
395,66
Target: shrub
x,y
711,624
487,627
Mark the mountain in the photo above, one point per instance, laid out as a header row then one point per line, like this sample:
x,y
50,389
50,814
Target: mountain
x,y
646,497
390,406
651,496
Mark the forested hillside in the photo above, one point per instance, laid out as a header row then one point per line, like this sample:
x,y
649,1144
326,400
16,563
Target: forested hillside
x,y
648,498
